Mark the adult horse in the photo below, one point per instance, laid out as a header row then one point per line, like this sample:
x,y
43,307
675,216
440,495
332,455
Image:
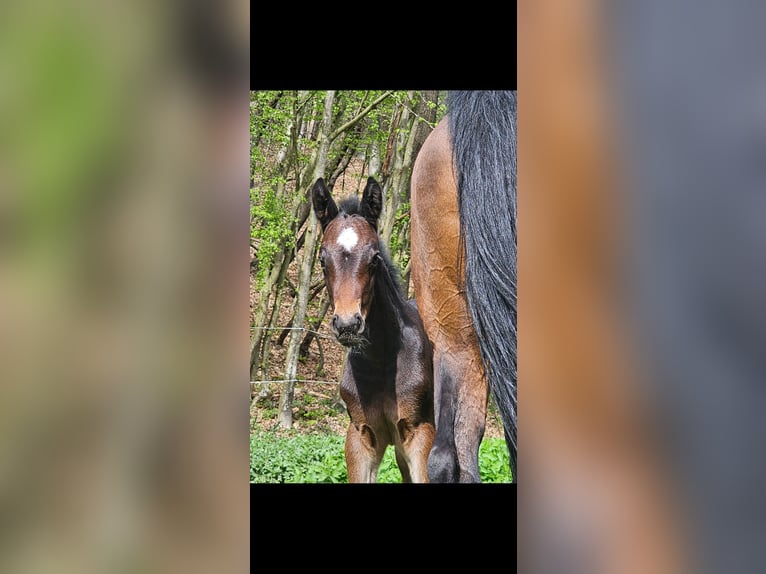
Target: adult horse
x,y
463,257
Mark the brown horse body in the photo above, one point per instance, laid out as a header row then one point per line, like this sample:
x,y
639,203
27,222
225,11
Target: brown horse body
x,y
387,382
463,259
437,277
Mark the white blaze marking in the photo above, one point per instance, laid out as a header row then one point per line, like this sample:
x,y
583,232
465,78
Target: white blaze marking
x,y
347,239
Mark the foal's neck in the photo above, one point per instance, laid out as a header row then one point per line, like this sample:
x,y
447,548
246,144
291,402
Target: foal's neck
x,y
387,316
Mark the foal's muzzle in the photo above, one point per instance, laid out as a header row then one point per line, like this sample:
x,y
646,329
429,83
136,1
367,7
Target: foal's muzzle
x,y
348,328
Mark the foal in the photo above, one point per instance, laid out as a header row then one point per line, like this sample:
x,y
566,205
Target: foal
x,y
387,382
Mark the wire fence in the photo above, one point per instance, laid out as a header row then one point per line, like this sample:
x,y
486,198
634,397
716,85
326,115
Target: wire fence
x,y
295,380
317,333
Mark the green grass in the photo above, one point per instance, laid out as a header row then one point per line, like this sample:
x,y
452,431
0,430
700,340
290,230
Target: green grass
x,y
319,459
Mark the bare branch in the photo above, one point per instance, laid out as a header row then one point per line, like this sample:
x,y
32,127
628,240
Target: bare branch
x,y
361,115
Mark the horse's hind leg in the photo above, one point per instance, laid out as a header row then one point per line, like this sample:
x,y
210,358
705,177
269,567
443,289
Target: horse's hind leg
x,y
442,461
461,409
413,449
471,414
363,453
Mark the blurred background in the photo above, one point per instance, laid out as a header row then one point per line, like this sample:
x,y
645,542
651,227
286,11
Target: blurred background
x,y
642,231
124,259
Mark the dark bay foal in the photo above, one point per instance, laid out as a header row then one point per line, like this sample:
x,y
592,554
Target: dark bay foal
x,y
387,382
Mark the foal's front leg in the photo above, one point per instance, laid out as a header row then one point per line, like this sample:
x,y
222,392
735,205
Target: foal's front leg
x,y
412,453
364,452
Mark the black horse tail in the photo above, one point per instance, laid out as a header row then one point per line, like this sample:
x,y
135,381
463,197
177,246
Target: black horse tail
x,y
483,131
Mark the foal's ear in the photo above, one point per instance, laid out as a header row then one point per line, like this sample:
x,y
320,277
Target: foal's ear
x,y
372,202
324,206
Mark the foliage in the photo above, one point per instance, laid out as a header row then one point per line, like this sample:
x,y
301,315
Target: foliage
x,y
398,246
494,461
320,459
300,459
270,228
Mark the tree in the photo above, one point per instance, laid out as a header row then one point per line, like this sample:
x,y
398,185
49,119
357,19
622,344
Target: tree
x,y
304,279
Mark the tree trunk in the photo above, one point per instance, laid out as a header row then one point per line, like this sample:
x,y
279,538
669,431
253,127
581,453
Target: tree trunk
x,y
426,110
273,319
304,277
260,322
401,167
414,126
310,336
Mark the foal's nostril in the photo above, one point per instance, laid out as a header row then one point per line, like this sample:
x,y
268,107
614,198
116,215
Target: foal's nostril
x,y
348,324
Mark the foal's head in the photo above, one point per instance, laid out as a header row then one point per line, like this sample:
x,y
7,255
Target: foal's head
x,y
349,256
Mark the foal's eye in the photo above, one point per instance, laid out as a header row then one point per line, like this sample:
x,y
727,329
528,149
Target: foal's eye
x,y
375,260
322,261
